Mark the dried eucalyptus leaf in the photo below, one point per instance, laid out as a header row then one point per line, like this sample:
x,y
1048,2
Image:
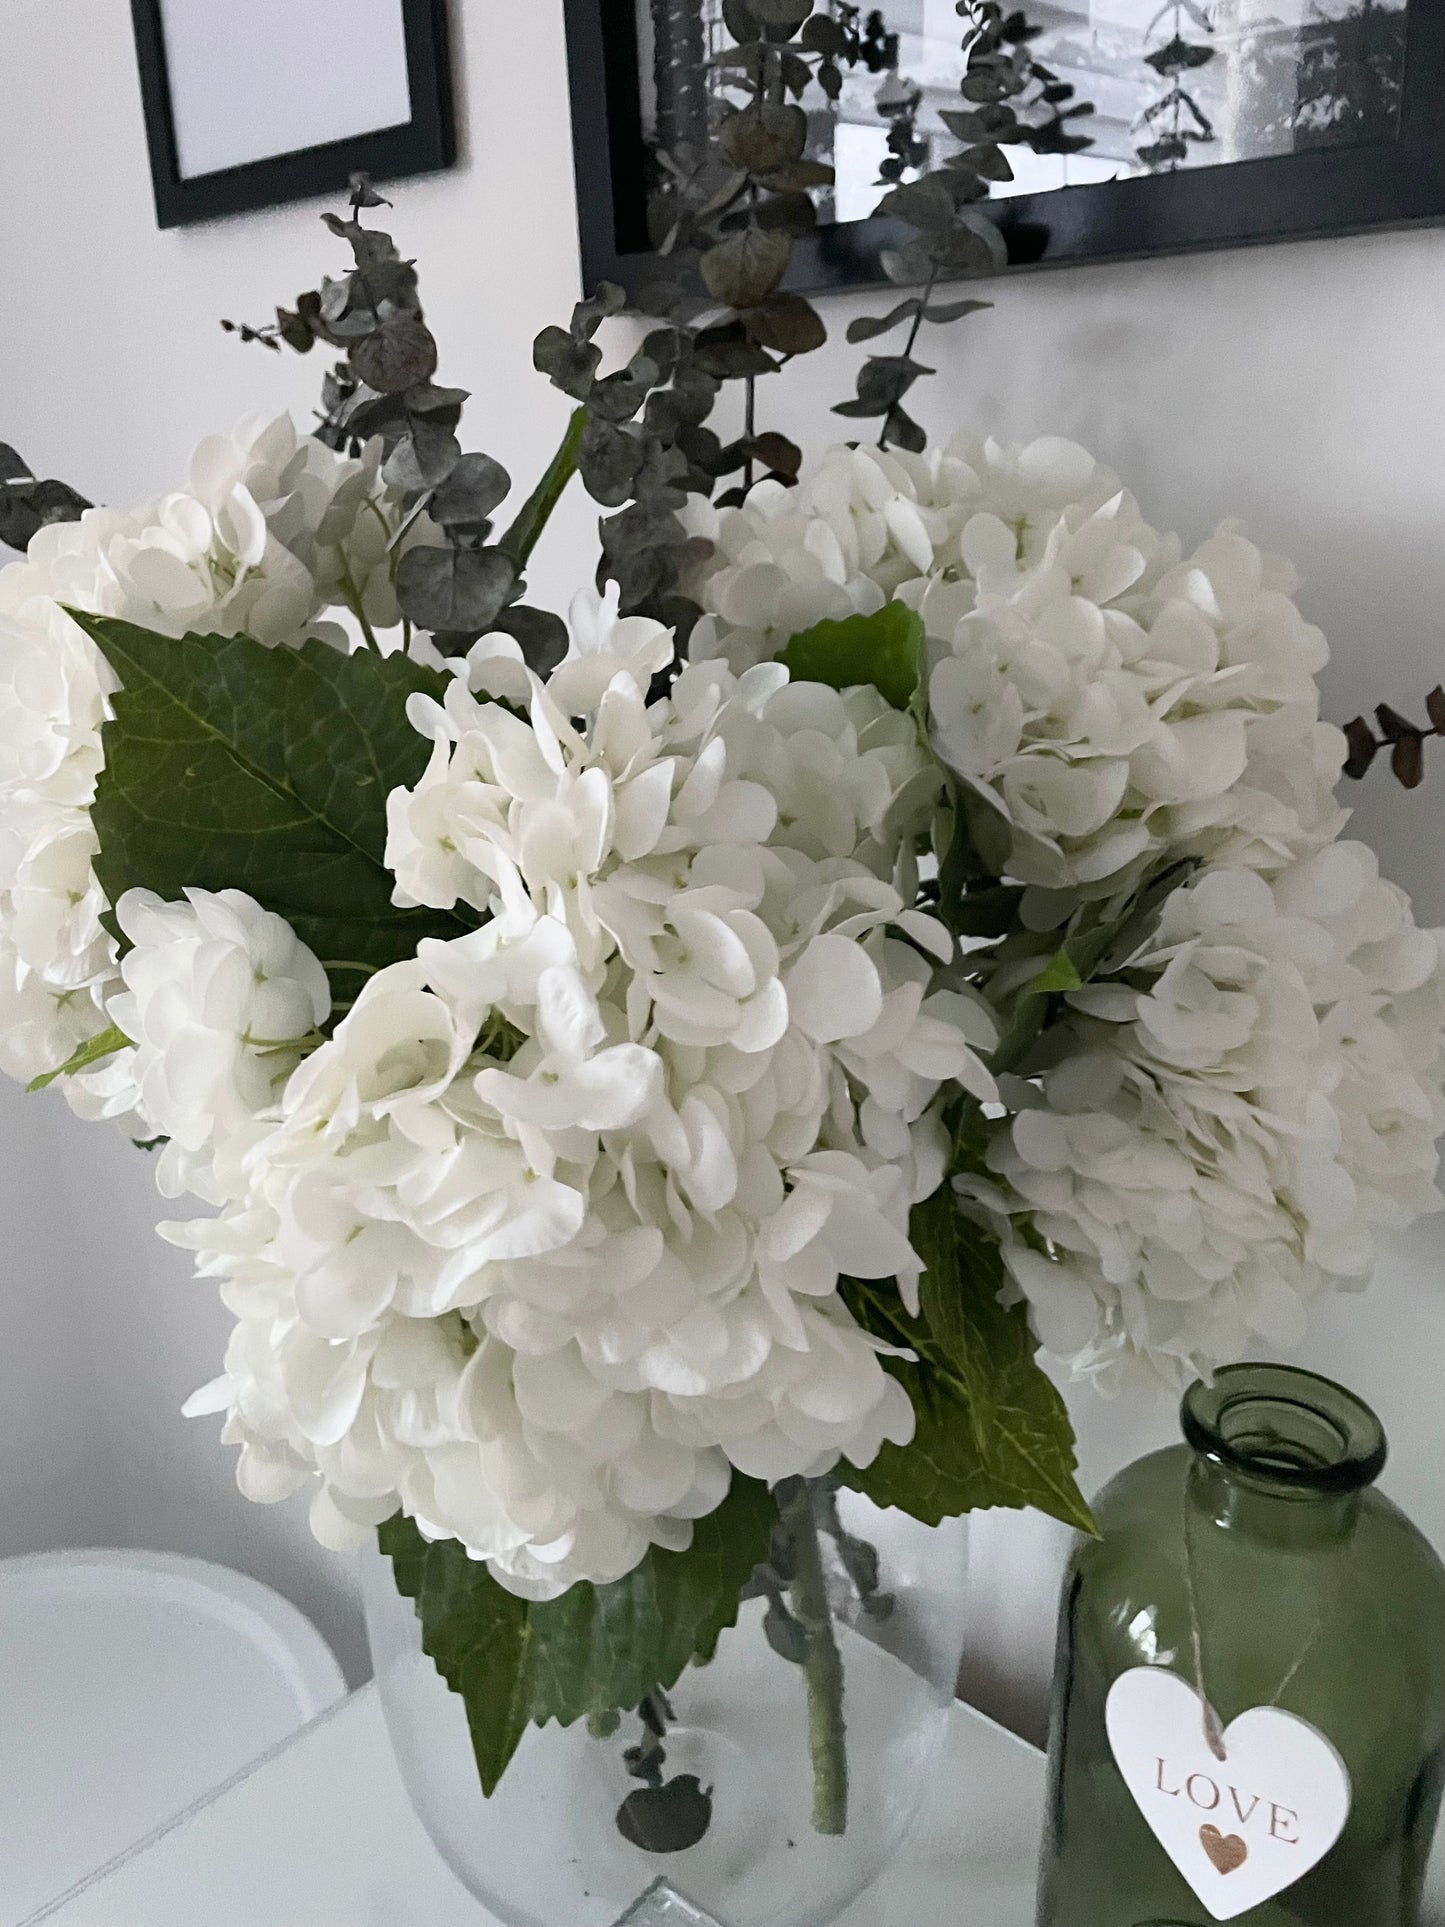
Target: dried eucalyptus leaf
x,y
13,467
787,324
617,398
943,311
368,245
1360,740
906,433
423,458
800,174
740,20
922,204
568,364
454,589
868,327
823,35
1407,760
744,269
542,637
728,353
473,488
793,214
666,1819
608,460
781,13
783,1633
400,354
587,317
782,456
766,135
830,79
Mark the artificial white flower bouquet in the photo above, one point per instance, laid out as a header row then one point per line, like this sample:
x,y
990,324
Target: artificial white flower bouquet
x,y
637,1086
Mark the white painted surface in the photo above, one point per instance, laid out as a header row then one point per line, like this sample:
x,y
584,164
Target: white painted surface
x,y
250,82
132,1684
1301,388
323,1836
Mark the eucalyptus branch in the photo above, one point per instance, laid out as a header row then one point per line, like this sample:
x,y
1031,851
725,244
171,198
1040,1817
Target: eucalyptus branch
x,y
1003,85
1404,740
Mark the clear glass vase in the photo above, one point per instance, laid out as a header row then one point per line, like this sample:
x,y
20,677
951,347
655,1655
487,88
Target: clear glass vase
x,y
550,1848
1259,1558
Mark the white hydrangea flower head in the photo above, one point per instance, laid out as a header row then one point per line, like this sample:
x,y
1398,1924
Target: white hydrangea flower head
x,y
1240,1118
220,1000
331,512
272,529
1104,698
549,1235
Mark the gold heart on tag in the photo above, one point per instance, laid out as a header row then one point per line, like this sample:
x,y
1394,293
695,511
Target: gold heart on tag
x,y
1226,1850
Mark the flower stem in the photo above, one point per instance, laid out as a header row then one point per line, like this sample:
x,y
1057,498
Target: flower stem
x,y
521,538
352,598
822,1668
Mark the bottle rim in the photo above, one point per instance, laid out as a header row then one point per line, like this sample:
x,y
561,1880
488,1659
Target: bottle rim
x,y
1280,1426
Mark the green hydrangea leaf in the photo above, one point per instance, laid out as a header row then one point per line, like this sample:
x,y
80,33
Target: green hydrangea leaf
x,y
232,766
1058,974
92,1051
596,1650
885,649
992,1428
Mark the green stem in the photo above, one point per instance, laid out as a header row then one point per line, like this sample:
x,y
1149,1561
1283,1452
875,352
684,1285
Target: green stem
x,y
353,603
822,1668
521,538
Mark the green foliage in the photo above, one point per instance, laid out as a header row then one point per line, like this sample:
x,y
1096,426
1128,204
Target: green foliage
x,y
885,649
992,1429
93,1051
593,1652
233,766
1058,974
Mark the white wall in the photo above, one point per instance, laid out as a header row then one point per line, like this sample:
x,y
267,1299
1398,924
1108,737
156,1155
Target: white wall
x,y
1302,388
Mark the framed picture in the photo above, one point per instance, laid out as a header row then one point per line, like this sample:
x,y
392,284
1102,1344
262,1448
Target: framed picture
x,y
261,101
1176,125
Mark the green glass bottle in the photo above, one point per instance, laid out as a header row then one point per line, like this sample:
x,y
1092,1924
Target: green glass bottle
x,y
1257,1559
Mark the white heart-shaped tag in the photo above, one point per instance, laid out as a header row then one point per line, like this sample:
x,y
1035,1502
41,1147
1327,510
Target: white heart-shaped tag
x,y
1240,1829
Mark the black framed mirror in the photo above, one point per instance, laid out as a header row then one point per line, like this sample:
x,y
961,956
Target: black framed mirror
x,y
1192,124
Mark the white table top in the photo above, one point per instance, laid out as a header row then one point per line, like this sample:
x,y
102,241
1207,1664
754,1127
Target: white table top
x,y
320,1834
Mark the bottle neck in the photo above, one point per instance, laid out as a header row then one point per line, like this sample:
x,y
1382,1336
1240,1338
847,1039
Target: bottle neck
x,y
1280,1456
1279,1517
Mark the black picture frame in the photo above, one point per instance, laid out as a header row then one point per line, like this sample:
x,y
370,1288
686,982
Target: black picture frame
x,y
422,145
1323,191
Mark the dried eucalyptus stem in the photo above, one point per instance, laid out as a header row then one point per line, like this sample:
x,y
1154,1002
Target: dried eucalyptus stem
x,y
822,1664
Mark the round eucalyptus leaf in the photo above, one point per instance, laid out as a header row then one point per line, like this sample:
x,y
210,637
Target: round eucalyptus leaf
x,y
474,487
744,269
399,355
764,136
788,324
666,1819
542,636
454,589
567,363
423,458
781,13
